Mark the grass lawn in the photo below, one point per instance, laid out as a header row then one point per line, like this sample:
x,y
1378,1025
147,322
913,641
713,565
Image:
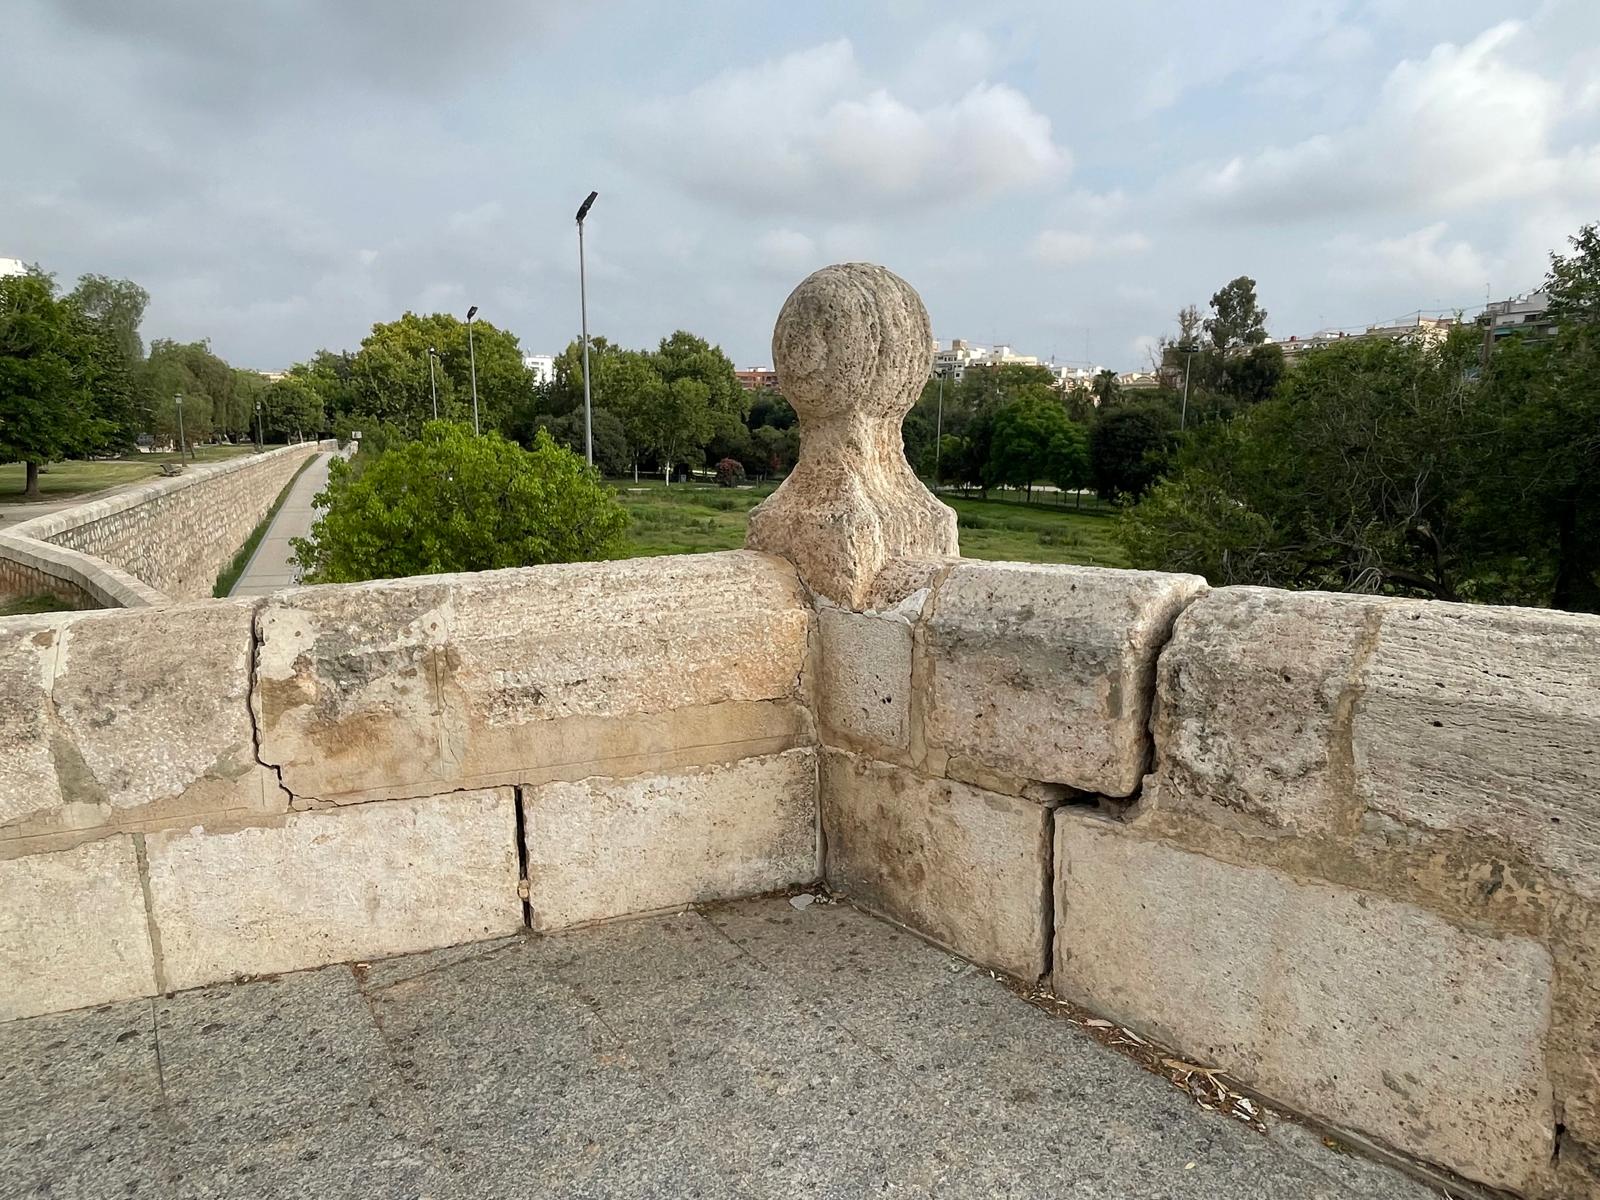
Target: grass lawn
x,y
24,605
75,477
692,518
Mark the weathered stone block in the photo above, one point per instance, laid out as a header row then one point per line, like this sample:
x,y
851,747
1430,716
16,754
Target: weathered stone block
x,y
1046,672
1366,1012
72,930
323,887
607,847
1486,722
1309,712
967,867
128,718
416,686
864,681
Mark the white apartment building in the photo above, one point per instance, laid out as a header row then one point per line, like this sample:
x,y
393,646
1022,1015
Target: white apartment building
x,y
12,266
543,367
953,363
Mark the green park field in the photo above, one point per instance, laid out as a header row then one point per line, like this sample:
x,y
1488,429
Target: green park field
x,y
689,518
61,480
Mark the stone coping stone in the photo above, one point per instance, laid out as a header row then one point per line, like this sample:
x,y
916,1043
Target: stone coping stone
x,y
419,685
1046,672
112,717
1312,713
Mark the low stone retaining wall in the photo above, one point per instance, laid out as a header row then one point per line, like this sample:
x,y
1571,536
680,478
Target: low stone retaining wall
x,y
165,540
199,792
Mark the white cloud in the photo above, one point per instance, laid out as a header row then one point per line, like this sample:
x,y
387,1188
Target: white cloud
x,y
785,250
1463,126
812,134
1064,248
1422,260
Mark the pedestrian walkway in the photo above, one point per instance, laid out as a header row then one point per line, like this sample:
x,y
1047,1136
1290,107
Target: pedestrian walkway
x,y
272,566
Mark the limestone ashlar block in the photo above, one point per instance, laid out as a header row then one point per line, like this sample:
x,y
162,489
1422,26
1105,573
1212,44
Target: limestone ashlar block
x,y
1046,672
1310,712
72,930
111,717
608,847
415,686
1369,1013
333,885
863,690
967,867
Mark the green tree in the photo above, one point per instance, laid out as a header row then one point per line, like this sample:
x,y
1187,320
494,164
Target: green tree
x,y
387,378
44,411
117,305
291,410
1034,440
1128,449
1106,389
450,501
611,454
1351,478
1573,282
1236,319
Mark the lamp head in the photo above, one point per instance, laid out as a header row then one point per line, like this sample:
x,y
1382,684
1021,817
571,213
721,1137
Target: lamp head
x,y
472,312
583,209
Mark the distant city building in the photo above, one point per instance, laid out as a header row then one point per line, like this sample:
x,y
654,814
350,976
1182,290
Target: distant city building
x,y
1068,378
1520,314
1426,331
1138,381
757,379
542,366
12,266
962,355
273,376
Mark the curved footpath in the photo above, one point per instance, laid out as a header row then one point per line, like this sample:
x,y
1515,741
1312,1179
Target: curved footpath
x,y
272,566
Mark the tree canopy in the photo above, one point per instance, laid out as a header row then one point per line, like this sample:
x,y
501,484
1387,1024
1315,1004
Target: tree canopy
x,y
1453,470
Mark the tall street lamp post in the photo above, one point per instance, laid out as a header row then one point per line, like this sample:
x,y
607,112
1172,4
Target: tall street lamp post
x,y
472,353
583,307
183,444
1183,417
938,430
260,436
433,384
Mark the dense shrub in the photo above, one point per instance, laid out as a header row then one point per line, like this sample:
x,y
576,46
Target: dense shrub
x,y
730,471
451,501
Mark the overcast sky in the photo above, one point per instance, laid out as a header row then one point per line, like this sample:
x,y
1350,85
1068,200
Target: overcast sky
x,y
1063,176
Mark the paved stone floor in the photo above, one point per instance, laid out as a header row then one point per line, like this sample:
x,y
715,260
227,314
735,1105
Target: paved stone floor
x,y
751,1050
272,567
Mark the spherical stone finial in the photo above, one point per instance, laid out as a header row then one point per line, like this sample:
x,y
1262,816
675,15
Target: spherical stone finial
x,y
852,348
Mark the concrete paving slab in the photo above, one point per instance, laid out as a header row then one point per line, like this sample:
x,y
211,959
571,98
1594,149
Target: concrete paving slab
x,y
747,1050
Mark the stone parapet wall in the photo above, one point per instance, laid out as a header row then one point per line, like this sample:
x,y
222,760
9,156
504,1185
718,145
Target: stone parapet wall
x,y
242,787
32,568
1345,849
164,540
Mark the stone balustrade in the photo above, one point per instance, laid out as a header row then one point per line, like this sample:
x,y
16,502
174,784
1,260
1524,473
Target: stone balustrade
x,y
1341,848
